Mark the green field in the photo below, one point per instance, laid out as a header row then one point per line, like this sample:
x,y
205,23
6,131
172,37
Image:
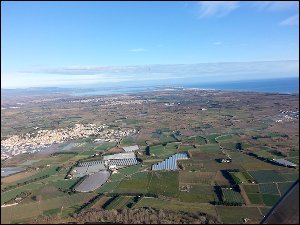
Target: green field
x,y
251,188
269,188
229,195
166,138
212,138
119,203
196,177
290,176
255,198
164,183
266,176
199,140
242,177
210,147
128,141
32,210
284,187
105,146
269,199
236,215
138,183
164,151
175,205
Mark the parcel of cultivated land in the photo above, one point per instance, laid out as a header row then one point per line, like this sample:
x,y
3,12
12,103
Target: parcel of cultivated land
x,y
208,153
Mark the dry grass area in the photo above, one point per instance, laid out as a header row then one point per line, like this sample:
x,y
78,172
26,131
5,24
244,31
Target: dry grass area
x,y
16,177
220,179
196,177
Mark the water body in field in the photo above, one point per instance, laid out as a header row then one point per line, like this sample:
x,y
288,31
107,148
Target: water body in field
x,y
7,171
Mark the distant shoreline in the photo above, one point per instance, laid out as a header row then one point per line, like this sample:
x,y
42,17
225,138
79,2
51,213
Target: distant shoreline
x,y
274,85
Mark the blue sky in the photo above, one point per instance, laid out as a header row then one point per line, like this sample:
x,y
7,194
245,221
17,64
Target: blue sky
x,y
70,43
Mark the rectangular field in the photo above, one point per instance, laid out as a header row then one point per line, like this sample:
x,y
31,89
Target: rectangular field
x,y
196,177
236,215
266,176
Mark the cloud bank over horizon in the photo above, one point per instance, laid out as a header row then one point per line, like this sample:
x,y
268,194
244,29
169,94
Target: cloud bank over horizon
x,y
206,72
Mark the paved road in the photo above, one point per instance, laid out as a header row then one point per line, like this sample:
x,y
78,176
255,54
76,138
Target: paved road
x,y
286,211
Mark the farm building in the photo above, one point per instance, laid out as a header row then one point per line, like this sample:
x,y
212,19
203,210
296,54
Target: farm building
x,y
169,163
93,181
125,155
86,168
131,148
284,162
122,162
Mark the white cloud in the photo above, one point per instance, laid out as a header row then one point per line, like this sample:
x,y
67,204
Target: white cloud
x,y
217,8
275,6
217,43
291,21
138,50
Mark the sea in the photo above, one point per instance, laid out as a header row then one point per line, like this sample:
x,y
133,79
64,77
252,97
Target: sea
x,y
279,85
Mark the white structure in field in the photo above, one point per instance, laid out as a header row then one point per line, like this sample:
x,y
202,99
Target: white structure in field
x,y
285,162
125,155
131,148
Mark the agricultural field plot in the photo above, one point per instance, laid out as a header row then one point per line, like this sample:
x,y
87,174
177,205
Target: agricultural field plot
x,y
30,162
100,202
32,210
197,154
185,147
266,176
138,183
128,141
164,151
269,188
210,147
293,154
198,140
229,195
236,215
253,188
105,146
87,152
164,183
54,160
284,187
290,176
225,138
176,205
11,194
255,199
220,180
196,197
208,165
50,212
44,172
196,193
270,199
264,210
196,177
212,138
16,177
251,163
6,215
266,155
108,187
120,202
166,138
242,177
29,212
45,192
